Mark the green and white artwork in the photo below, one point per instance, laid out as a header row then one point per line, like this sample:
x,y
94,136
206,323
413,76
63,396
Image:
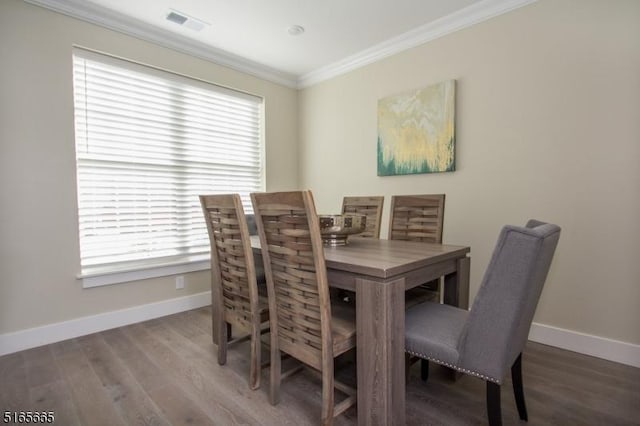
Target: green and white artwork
x,y
416,131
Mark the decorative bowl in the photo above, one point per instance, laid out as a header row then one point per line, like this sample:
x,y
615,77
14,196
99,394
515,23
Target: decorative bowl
x,y
335,228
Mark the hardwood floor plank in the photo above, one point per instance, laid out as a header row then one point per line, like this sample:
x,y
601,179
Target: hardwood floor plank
x,y
128,396
14,391
186,323
178,408
583,397
146,372
254,403
65,346
584,382
614,377
40,366
190,326
55,397
202,317
442,401
94,405
209,395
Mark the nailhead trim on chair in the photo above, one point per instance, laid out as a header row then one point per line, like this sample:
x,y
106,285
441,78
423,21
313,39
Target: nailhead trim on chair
x,y
446,364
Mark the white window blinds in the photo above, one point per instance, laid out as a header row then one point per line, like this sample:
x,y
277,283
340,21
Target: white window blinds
x,y
148,142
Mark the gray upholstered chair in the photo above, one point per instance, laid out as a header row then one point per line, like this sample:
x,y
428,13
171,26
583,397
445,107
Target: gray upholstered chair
x,y
488,340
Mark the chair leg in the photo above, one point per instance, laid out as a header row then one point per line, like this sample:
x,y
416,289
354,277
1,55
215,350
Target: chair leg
x,y
327,393
255,369
223,330
518,390
407,366
275,374
494,411
424,370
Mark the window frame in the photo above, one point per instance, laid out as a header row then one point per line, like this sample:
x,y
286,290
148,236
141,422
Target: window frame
x,y
154,267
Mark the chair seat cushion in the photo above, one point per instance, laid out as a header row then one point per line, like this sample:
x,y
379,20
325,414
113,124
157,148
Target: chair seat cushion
x,y
433,331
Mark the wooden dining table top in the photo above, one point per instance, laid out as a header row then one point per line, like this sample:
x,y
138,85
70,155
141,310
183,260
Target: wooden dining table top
x,y
384,258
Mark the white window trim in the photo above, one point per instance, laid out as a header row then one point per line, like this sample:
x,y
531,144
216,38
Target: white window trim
x,y
91,277
98,279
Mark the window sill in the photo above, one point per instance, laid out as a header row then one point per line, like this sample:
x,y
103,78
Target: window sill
x,y
97,277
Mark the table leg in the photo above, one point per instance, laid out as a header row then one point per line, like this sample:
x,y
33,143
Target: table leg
x,y
456,285
380,352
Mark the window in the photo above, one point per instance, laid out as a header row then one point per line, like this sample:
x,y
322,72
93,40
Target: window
x,y
148,142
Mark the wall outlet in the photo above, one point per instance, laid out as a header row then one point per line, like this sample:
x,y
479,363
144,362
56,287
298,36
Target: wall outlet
x,y
179,282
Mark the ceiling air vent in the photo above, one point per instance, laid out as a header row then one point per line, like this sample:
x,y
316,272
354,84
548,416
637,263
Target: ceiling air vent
x,y
185,20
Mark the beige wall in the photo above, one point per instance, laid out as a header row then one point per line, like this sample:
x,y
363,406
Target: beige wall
x,y
39,253
548,126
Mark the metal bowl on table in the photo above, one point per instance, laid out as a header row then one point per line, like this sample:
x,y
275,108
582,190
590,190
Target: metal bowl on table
x,y
336,228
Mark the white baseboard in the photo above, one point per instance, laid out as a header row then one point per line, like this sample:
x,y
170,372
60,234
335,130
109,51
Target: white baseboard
x,y
38,336
611,350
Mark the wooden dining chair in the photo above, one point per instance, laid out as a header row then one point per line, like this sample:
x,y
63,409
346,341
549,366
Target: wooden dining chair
x,y
418,218
487,341
303,322
371,207
236,300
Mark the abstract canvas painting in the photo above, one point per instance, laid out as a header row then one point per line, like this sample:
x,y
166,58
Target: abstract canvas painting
x,y
416,131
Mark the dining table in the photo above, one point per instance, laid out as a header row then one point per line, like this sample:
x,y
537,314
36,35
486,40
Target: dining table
x,y
379,272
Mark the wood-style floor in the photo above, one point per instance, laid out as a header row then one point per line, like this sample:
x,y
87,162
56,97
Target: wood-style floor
x,y
164,372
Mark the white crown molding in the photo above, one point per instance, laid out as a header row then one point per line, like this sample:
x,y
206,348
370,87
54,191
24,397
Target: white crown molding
x,y
52,333
104,17
115,21
461,19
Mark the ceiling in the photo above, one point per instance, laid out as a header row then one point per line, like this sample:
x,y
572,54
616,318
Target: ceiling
x,y
252,35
